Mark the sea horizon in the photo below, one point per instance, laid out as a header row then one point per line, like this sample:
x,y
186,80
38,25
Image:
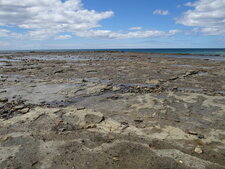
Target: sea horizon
x,y
180,51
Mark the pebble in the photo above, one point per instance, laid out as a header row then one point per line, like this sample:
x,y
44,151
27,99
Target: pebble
x,y
198,150
116,158
110,137
19,107
200,136
3,91
80,108
3,99
25,110
138,121
192,132
93,119
91,126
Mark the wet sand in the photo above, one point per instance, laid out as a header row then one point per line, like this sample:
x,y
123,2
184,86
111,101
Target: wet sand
x,y
119,110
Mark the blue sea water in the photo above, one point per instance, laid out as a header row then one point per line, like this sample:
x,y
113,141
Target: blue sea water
x,y
194,51
201,53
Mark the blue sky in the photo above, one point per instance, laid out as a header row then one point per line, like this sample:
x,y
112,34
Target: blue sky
x,y
76,24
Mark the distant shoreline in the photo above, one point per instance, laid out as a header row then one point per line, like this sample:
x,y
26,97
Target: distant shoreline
x,y
163,51
112,52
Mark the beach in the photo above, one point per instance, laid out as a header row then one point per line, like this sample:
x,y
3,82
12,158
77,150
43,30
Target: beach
x,y
110,109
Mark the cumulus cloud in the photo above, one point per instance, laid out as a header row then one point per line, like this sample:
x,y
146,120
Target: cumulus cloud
x,y
135,28
47,18
63,37
52,19
107,34
208,16
160,12
4,33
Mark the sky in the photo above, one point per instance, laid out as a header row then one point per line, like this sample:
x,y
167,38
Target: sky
x,y
105,24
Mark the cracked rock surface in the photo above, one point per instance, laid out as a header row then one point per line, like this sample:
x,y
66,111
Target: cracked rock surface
x,y
111,110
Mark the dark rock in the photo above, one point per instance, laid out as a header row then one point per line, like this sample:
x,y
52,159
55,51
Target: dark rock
x,y
3,99
80,108
200,136
138,121
192,132
3,91
58,71
93,119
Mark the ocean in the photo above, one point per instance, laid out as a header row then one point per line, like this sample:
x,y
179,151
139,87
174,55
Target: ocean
x,y
201,53
190,51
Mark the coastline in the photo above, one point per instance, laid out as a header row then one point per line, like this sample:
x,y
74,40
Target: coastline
x,y
159,51
111,109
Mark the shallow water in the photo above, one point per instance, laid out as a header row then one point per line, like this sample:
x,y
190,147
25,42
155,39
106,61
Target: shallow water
x,y
217,58
37,94
53,57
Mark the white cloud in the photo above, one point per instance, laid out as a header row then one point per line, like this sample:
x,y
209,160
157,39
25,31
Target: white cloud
x,y
208,16
107,34
190,4
135,28
4,33
52,19
160,12
63,37
3,44
48,18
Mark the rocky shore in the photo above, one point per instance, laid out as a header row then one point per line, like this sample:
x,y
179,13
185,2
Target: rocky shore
x,y
111,110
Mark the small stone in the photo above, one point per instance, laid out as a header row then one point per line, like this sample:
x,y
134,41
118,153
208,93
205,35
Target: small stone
x,y
115,88
154,81
116,158
19,107
3,91
58,71
10,168
84,80
110,137
192,132
198,150
91,126
138,121
80,108
200,136
62,129
174,78
25,110
34,163
93,119
92,71
114,97
5,138
177,120
59,122
181,162
3,99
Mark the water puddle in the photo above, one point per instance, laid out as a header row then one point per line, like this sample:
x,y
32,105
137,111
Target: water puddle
x,y
54,57
9,60
3,63
203,73
37,94
20,78
182,65
216,58
192,90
